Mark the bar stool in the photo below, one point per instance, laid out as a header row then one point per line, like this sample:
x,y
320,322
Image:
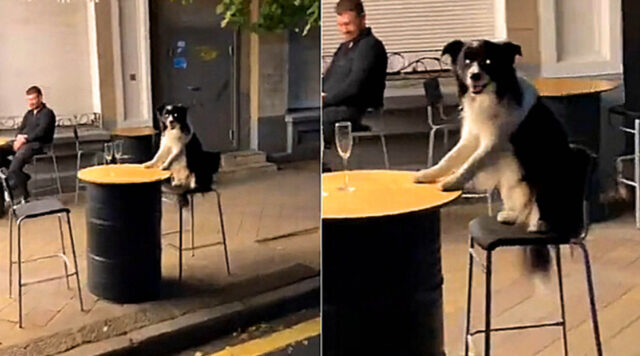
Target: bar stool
x,y
83,151
180,198
32,210
48,153
488,234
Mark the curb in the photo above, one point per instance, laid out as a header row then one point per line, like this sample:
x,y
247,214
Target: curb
x,y
203,325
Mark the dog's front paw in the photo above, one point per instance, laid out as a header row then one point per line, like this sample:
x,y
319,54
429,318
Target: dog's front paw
x,y
147,165
425,176
164,167
507,217
538,226
451,184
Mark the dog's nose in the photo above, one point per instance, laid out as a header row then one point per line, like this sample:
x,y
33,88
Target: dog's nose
x,y
476,76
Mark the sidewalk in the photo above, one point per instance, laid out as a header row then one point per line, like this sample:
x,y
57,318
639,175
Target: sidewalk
x,y
272,225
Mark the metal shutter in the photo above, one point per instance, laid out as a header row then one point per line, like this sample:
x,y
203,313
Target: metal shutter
x,y
417,25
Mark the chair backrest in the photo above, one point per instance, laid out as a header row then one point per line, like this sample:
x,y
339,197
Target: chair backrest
x,y
585,164
432,91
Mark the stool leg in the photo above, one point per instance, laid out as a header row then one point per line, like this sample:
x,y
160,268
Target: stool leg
x,y
78,161
19,261
592,298
224,235
192,221
66,269
467,325
10,251
562,310
636,169
490,202
55,170
179,242
432,138
75,262
383,141
487,307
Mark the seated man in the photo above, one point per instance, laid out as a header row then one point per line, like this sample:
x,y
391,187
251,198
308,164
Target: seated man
x,y
355,79
35,131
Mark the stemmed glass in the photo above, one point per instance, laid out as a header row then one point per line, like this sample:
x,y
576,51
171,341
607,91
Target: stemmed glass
x,y
344,143
108,152
117,150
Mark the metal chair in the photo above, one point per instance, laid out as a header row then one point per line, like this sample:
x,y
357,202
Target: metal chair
x,y
189,195
32,210
48,153
634,157
377,130
436,117
489,235
80,151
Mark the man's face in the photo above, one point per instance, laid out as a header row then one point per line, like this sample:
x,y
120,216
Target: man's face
x,y
34,101
350,25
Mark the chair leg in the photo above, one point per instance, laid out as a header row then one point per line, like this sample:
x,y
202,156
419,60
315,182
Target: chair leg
x,y
78,161
490,202
446,139
19,261
487,307
75,262
57,173
383,141
432,139
224,235
10,252
192,222
636,170
467,325
66,268
179,242
592,298
562,309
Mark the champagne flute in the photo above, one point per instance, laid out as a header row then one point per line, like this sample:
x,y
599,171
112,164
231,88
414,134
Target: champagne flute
x,y
344,144
108,152
117,150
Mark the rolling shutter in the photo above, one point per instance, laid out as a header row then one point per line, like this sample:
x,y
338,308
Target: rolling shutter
x,y
417,25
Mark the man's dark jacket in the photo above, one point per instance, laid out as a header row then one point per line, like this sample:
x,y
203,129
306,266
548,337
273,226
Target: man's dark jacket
x,y
357,74
40,127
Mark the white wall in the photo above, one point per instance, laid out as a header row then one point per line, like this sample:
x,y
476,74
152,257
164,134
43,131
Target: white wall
x,y
45,43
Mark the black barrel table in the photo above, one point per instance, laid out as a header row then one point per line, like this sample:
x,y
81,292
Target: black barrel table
x,y
381,267
123,217
138,143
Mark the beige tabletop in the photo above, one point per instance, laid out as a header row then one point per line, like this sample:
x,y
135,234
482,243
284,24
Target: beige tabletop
x,y
572,86
378,193
133,131
122,174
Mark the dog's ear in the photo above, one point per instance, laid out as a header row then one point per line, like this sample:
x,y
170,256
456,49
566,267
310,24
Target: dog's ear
x,y
453,49
511,50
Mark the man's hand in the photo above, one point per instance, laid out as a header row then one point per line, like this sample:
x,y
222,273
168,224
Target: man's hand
x,y
19,142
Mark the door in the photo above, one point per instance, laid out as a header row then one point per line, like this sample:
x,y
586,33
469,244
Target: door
x,y
192,63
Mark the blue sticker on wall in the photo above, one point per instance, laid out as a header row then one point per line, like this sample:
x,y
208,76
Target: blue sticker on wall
x,y
180,63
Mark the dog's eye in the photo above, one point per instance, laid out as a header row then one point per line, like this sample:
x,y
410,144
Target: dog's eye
x,y
467,61
487,61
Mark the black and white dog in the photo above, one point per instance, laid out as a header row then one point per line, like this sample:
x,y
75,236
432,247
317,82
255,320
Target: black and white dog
x,y
181,151
509,141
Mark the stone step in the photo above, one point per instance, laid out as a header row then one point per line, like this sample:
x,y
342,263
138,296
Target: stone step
x,y
242,158
229,174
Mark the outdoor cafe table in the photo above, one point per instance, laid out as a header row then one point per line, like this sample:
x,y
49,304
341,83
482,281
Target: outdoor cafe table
x,y
576,103
381,269
139,144
123,231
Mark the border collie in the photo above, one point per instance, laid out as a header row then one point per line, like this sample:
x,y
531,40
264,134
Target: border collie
x,y
510,141
181,152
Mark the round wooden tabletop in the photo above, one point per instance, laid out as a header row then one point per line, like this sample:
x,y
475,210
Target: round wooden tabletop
x,y
378,193
133,131
122,174
572,86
